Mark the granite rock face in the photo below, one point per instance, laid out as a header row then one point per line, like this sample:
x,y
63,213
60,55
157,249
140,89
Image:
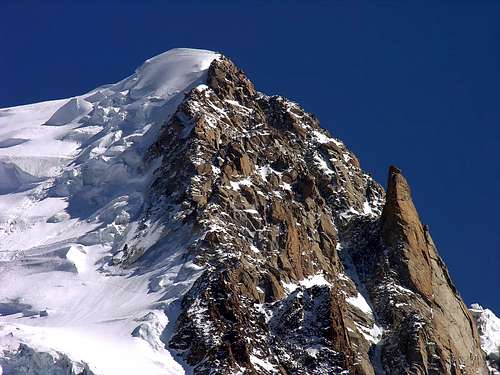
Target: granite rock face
x,y
309,267
448,339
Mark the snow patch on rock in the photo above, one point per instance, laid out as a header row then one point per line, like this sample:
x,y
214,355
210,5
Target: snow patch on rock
x,y
360,302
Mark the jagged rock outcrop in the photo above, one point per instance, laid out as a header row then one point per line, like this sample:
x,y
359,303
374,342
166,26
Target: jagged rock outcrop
x,y
309,267
258,192
448,340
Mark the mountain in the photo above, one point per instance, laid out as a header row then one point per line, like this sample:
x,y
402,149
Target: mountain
x,y
180,221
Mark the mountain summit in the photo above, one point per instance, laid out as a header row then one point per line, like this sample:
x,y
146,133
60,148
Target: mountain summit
x,y
181,222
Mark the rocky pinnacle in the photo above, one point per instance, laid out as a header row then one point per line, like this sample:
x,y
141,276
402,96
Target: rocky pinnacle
x,y
448,341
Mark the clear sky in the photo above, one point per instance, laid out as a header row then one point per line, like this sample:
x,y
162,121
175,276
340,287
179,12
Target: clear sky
x,y
399,83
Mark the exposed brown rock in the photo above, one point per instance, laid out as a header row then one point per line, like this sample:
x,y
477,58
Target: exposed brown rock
x,y
245,165
402,230
229,82
455,342
287,246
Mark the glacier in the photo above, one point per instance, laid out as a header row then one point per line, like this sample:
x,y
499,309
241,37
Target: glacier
x,y
72,183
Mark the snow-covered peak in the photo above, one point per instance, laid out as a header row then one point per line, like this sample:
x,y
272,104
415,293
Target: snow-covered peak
x,y
73,182
488,325
168,73
489,328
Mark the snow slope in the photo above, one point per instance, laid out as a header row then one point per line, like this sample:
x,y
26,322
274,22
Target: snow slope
x,y
72,185
489,330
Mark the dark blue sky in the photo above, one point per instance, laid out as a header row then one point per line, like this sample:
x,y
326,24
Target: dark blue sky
x,y
417,86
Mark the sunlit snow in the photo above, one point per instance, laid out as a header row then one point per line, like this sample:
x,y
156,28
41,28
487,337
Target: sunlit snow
x,y
72,180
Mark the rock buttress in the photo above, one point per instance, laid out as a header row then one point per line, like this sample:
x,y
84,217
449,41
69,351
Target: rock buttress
x,y
284,231
444,339
262,184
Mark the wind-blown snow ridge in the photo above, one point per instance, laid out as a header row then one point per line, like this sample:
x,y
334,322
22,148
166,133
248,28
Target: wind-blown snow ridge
x,y
168,74
72,185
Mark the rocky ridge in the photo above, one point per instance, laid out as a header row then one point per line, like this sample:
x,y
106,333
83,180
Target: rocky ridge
x,y
309,267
